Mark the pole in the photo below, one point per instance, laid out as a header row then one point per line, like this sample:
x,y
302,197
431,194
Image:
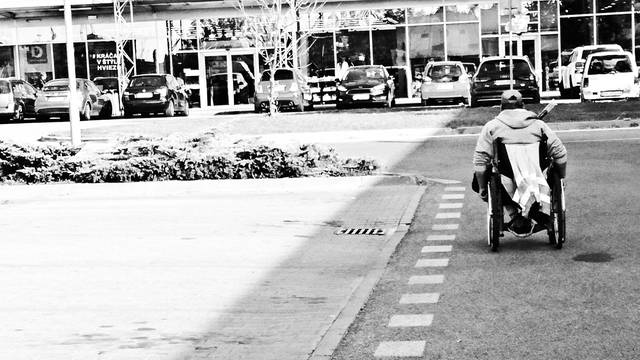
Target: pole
x,y
74,113
510,45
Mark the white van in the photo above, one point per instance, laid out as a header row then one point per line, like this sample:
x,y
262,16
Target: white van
x,y
610,75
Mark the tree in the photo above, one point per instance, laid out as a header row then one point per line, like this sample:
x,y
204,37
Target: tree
x,y
274,28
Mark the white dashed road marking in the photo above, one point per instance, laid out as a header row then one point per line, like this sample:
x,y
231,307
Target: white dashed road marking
x,y
426,279
441,237
411,320
424,298
447,215
453,196
432,263
400,348
437,249
444,227
450,206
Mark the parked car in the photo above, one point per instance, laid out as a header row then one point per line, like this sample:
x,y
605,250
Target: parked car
x,y
110,87
470,68
155,94
17,99
571,75
365,84
54,100
610,75
445,81
291,91
492,78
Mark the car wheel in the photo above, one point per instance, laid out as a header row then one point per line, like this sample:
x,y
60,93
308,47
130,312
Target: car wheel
x,y
170,111
19,114
106,111
473,102
86,112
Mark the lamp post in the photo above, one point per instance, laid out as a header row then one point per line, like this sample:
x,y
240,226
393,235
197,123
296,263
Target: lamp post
x,y
510,45
74,113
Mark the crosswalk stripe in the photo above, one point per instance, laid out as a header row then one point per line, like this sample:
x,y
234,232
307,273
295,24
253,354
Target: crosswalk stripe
x,y
432,263
436,248
447,215
455,188
443,237
400,348
426,279
424,298
450,206
441,227
411,320
453,196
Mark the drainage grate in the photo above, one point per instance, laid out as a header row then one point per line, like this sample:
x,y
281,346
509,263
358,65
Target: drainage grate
x,y
360,231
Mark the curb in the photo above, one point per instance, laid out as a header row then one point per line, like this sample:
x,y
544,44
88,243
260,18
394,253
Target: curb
x,y
336,331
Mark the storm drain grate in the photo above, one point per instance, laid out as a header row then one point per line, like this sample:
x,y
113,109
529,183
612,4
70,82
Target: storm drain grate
x,y
360,231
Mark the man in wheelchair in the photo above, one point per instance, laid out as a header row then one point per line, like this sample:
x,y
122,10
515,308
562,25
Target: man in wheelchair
x,y
523,169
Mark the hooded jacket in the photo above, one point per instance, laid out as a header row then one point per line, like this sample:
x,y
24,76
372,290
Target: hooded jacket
x,y
516,126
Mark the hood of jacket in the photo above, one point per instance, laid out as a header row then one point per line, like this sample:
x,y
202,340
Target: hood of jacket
x,y
517,118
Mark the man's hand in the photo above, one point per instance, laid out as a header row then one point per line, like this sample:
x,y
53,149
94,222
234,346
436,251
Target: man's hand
x,y
483,181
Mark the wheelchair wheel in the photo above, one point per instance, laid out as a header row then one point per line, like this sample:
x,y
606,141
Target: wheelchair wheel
x,y
494,215
557,230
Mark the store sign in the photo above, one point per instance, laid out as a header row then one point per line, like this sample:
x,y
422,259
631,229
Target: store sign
x,y
37,54
103,60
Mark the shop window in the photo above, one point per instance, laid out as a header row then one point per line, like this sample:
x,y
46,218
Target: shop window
x,y
489,19
462,42
576,31
576,7
320,60
185,67
548,16
609,6
223,33
549,56
151,47
463,12
183,35
387,17
6,62
490,47
614,29
353,46
60,60
425,14
389,50
36,63
427,44
637,52
103,60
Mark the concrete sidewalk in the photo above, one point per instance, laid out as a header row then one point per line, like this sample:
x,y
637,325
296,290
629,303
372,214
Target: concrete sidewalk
x,y
192,270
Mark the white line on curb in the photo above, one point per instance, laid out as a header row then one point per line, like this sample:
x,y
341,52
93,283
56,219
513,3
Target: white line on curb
x,y
426,279
441,227
455,215
424,298
450,206
437,249
447,237
411,320
432,263
400,348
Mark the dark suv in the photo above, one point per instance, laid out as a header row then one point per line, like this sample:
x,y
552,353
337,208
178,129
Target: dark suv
x,y
158,93
368,84
492,78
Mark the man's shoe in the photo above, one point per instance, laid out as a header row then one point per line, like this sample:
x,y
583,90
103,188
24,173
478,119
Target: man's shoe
x,y
520,225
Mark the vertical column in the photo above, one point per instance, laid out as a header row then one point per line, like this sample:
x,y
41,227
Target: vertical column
x,y
74,115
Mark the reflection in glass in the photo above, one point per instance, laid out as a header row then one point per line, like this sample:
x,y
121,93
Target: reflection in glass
x,y
320,54
614,29
549,56
223,33
425,14
548,16
576,31
609,6
576,7
462,42
427,44
216,74
103,61
353,46
60,60
389,50
490,47
7,68
463,12
243,78
386,16
489,19
185,67
36,65
183,34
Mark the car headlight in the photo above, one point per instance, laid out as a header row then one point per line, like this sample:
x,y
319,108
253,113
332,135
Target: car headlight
x,y
126,93
342,88
378,89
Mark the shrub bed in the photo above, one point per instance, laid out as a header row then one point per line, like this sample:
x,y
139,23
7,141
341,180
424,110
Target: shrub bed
x,y
158,159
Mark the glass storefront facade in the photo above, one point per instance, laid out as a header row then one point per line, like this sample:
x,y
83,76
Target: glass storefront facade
x,y
205,51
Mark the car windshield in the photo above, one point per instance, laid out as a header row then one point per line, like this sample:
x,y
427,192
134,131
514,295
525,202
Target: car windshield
x,y
499,69
147,81
106,84
5,87
444,73
586,53
470,68
279,75
364,74
609,64
59,85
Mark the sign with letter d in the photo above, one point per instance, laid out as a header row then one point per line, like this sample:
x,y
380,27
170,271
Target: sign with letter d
x,y
37,54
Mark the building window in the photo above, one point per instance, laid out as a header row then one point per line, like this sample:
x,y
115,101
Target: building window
x,y
223,33
490,47
151,47
320,54
425,14
389,50
387,17
36,65
462,42
614,29
548,16
576,31
6,62
489,19
353,46
549,55
60,60
427,44
576,7
183,35
462,12
609,6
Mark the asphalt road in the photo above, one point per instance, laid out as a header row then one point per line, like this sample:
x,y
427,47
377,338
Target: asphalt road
x,y
528,301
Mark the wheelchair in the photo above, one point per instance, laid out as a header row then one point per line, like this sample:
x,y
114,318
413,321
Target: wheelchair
x,y
554,224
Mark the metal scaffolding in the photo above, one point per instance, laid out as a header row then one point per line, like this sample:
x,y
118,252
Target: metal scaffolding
x,y
123,16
